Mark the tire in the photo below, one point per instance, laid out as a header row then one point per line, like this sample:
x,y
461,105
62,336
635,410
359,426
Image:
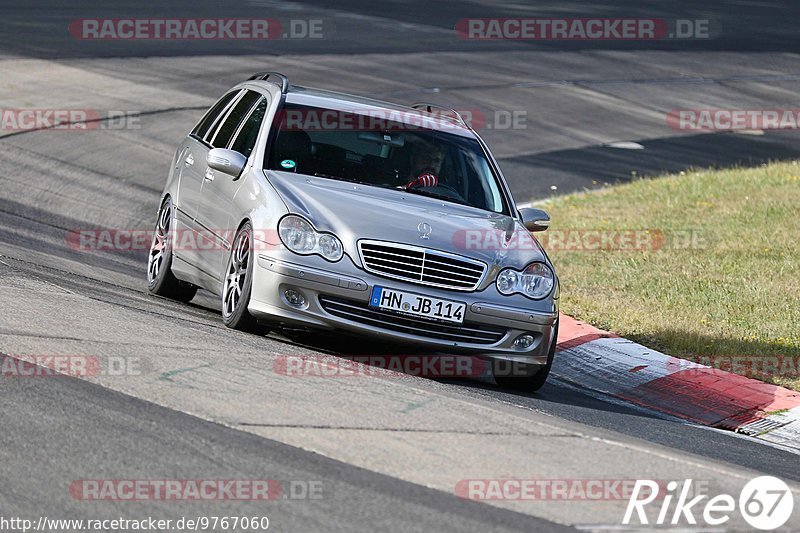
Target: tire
x,y
238,283
160,279
534,377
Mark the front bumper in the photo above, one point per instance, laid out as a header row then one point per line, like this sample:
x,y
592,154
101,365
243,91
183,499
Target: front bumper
x,y
337,297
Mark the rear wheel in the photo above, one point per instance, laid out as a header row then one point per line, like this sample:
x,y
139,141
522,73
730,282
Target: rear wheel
x,y
238,283
160,279
529,378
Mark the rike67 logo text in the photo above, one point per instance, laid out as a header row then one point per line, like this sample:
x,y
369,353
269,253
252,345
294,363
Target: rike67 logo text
x,y
765,503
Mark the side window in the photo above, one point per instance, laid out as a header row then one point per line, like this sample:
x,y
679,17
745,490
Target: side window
x,y
246,138
213,115
234,118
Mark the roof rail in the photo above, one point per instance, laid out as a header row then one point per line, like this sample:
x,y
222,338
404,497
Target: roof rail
x,y
429,108
265,76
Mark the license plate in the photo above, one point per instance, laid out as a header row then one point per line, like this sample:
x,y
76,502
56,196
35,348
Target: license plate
x,y
417,305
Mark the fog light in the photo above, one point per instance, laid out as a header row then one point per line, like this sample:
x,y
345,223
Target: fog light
x,y
523,342
294,297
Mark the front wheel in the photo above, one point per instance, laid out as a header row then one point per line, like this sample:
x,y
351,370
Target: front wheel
x,y
160,279
238,283
531,378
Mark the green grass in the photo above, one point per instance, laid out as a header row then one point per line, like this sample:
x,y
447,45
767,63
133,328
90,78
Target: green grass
x,y
729,298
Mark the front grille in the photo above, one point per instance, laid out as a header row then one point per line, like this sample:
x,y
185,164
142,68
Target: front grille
x,y
363,314
421,265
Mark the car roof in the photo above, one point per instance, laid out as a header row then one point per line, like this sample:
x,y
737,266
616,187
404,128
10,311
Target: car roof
x,y
309,96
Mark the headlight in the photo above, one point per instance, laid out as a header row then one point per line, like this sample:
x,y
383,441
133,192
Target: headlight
x,y
330,247
507,281
299,236
536,281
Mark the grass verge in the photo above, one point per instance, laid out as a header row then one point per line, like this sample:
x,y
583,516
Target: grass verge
x,y
703,265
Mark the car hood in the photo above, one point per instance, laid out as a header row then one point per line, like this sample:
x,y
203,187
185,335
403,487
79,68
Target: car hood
x,y
354,211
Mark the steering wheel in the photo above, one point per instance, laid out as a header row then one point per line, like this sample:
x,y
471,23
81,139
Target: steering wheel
x,y
443,189
446,187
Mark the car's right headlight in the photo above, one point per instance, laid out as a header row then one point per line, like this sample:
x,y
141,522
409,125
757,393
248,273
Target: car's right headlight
x,y
535,281
299,236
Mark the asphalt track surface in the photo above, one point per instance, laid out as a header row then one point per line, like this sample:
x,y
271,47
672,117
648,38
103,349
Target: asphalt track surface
x,y
207,404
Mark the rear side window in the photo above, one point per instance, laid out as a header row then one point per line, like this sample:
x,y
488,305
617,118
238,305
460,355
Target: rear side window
x,y
246,138
213,115
234,118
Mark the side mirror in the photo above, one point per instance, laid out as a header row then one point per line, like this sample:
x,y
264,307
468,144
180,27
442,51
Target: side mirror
x,y
227,161
534,219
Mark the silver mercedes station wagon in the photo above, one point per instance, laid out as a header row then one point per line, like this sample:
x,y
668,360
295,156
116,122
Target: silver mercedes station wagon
x,y
316,209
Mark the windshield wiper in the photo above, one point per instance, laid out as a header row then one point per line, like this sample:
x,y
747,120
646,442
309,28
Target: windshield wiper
x,y
429,194
420,192
340,178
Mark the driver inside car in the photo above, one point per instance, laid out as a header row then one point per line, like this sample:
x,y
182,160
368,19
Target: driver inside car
x,y
426,162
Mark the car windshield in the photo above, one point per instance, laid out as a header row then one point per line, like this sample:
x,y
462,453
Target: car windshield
x,y
363,148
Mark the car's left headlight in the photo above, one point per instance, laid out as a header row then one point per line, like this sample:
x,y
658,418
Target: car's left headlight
x,y
536,281
299,236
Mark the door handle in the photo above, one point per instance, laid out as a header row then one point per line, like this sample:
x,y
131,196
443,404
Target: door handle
x,y
189,160
209,175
